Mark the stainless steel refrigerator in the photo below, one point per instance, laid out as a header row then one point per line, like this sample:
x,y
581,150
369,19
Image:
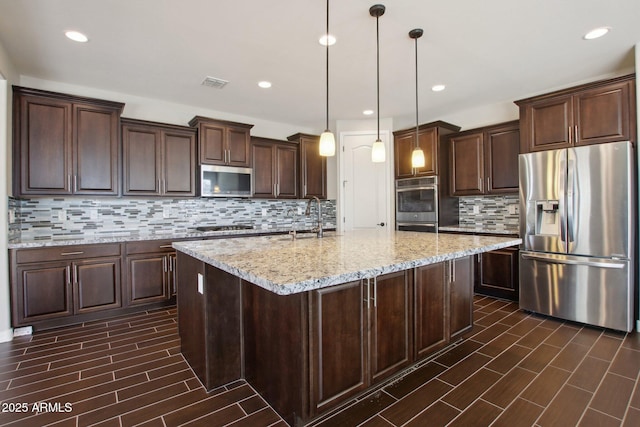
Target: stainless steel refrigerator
x,y
577,217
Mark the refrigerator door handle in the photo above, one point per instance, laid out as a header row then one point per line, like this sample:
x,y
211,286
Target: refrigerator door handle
x,y
571,179
562,184
550,260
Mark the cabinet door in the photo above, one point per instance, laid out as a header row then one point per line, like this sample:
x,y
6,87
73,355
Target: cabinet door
x,y
286,172
237,146
212,144
430,308
45,146
497,273
461,297
338,344
96,284
313,169
264,183
179,163
603,114
147,278
501,165
43,291
428,141
403,145
389,324
142,160
466,153
95,148
546,124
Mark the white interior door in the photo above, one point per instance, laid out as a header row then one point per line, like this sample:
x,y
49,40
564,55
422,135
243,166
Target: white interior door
x,y
366,186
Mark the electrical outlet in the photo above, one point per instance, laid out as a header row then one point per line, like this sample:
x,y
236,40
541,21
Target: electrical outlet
x,y
12,216
512,209
300,210
200,284
62,215
264,211
476,209
93,214
166,212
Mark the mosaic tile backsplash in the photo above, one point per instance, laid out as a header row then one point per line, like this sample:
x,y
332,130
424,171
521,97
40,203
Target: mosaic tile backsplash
x,y
490,212
43,218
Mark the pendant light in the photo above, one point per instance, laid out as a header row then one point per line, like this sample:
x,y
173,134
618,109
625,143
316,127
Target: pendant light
x,y
327,140
417,156
378,154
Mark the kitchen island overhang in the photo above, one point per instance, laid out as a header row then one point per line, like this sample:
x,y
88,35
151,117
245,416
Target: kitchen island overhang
x,y
311,323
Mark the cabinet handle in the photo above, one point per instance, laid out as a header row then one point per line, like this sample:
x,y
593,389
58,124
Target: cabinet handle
x,y
71,253
368,298
171,261
165,246
488,183
480,184
453,271
75,183
164,264
69,182
68,270
570,134
305,190
75,274
375,291
575,134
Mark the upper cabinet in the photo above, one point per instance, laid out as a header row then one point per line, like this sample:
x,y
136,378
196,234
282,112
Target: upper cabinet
x,y
221,142
275,168
404,142
159,159
485,160
65,144
589,114
312,166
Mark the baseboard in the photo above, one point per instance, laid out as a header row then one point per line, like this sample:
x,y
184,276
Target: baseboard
x,y
6,335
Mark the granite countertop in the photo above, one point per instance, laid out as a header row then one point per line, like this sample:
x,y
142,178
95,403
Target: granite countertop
x,y
479,230
133,236
285,266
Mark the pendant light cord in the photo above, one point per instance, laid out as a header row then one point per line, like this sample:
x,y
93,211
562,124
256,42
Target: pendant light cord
x,y
378,72
327,43
417,125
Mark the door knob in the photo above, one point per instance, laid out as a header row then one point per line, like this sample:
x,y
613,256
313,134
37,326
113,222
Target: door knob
x,y
381,224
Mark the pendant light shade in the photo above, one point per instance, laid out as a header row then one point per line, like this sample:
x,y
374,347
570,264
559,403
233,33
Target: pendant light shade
x,y
378,154
327,144
327,140
417,156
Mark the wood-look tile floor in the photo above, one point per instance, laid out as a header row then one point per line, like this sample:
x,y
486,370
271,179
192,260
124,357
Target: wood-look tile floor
x,y
513,369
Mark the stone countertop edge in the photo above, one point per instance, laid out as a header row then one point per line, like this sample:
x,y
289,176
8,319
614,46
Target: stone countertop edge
x,y
330,280
123,237
478,230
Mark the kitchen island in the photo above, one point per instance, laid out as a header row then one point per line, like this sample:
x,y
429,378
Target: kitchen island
x,y
311,323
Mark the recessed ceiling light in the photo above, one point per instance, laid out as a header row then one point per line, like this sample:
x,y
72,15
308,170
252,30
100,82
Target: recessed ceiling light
x,y
327,39
76,36
438,88
596,33
264,84
367,112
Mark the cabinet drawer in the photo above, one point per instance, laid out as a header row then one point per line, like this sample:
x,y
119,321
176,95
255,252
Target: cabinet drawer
x,y
149,246
67,252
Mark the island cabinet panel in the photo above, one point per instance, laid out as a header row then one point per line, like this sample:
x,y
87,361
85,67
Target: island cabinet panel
x,y
390,324
461,297
430,307
276,349
497,273
338,344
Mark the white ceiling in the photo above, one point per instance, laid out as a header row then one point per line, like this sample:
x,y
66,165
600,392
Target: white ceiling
x,y
486,52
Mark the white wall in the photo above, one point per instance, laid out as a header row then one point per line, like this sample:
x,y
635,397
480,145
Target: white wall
x,y
137,107
7,76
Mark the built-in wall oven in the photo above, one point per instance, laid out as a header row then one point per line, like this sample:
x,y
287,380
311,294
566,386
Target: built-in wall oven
x,y
417,204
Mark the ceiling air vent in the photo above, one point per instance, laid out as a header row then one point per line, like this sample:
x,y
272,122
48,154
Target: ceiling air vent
x,y
214,82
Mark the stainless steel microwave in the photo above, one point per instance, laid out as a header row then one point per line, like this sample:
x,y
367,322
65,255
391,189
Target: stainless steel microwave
x,y
225,181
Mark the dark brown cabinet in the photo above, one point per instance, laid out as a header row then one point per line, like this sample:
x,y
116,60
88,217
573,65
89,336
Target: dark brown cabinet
x,y
312,167
404,142
430,305
50,283
275,168
461,297
593,113
497,273
150,271
485,160
222,142
65,144
361,335
158,159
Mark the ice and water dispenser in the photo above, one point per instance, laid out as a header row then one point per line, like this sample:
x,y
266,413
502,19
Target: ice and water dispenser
x,y
547,218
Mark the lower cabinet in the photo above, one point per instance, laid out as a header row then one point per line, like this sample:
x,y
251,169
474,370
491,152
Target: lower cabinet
x,y
53,283
460,297
150,271
497,273
361,335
